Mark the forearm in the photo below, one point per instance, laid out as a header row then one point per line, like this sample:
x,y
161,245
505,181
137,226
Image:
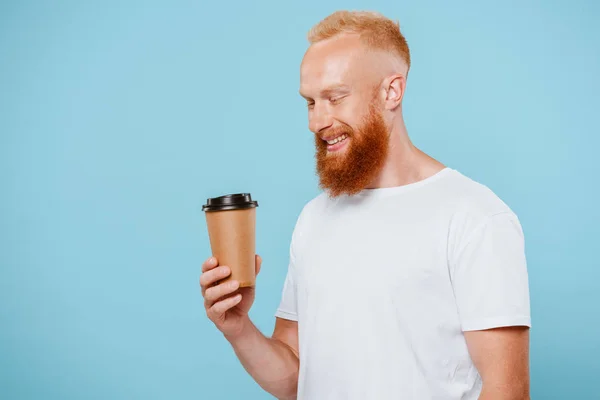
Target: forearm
x,y
271,363
490,392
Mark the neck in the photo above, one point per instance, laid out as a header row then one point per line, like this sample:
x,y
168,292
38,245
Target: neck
x,y
405,163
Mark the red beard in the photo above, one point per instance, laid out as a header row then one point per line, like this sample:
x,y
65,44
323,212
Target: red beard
x,y
359,163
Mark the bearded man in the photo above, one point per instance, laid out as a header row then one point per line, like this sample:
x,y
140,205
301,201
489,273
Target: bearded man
x,y
406,279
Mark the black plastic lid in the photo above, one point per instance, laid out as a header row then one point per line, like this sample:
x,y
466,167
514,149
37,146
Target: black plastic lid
x,y
238,201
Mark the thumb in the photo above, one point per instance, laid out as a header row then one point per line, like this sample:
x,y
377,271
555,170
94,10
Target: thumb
x,y
258,261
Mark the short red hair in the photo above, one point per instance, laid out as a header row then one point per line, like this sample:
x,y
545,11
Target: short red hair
x,y
376,30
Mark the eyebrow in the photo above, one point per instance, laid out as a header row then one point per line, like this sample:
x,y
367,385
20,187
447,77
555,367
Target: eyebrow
x,y
335,89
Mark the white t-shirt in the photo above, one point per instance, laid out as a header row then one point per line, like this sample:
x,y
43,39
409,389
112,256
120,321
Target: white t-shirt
x,y
384,283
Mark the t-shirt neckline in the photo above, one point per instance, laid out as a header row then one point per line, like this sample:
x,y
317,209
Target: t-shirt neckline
x,y
385,191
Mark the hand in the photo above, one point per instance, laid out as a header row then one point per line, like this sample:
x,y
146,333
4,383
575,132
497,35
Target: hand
x,y
226,304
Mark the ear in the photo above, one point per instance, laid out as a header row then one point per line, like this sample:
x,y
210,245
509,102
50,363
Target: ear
x,y
394,86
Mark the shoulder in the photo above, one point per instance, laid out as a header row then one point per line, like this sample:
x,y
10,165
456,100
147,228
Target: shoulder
x,y
474,206
310,210
473,198
309,213
314,207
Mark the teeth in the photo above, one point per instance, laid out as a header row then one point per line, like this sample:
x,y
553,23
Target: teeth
x,y
337,139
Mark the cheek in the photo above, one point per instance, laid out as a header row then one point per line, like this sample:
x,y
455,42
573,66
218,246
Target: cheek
x,y
350,116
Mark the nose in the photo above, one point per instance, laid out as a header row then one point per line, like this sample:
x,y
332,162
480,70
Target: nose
x,y
319,119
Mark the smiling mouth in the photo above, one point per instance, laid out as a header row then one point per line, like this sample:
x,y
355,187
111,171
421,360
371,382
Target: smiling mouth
x,y
337,143
336,140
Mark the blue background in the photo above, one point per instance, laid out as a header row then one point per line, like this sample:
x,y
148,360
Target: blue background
x,y
118,119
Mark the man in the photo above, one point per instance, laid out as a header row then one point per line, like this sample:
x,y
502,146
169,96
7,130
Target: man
x,y
407,280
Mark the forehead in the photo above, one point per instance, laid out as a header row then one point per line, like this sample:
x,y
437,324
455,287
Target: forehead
x,y
338,61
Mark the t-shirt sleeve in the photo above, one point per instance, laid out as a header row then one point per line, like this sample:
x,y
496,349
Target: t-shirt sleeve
x,y
288,307
489,276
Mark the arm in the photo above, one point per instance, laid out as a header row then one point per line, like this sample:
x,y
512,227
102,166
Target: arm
x,y
272,362
501,356
490,281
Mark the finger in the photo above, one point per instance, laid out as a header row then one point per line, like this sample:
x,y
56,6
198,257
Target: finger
x,y
258,261
214,293
210,277
220,308
209,264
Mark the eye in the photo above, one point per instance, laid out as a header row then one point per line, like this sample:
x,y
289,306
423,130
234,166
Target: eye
x,y
310,105
336,100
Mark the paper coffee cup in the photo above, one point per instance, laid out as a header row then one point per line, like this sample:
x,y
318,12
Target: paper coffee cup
x,y
231,223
